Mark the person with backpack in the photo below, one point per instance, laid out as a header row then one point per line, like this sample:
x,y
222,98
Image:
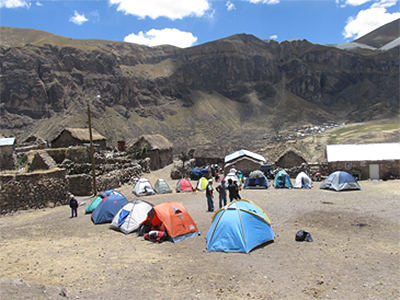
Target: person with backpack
x,y
210,196
221,189
73,203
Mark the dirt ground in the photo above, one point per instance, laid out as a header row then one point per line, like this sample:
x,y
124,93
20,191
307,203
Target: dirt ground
x,y
355,253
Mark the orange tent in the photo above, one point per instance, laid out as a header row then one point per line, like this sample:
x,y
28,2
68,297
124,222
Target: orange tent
x,y
173,218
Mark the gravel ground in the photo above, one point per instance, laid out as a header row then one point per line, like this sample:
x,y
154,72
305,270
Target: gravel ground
x,y
355,253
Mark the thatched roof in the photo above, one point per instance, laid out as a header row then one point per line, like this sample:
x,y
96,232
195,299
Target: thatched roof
x,y
290,158
82,134
155,142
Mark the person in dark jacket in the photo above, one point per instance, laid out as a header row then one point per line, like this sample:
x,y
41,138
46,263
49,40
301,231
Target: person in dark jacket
x,y
232,188
73,203
210,196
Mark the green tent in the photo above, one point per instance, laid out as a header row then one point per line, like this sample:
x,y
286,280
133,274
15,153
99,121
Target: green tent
x,y
202,184
282,180
98,198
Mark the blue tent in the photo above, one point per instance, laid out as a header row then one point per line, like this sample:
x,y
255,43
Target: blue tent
x,y
256,180
282,180
97,199
340,181
107,208
197,173
239,227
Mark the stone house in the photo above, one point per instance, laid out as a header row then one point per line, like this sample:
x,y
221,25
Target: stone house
x,y
157,148
7,158
290,158
78,137
210,154
365,161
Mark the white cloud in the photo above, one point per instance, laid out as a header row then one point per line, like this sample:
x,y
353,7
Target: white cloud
x,y
78,19
14,3
264,1
38,3
230,6
171,9
273,37
370,19
352,2
167,36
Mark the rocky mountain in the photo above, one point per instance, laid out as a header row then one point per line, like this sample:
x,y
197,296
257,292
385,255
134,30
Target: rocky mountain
x,y
239,91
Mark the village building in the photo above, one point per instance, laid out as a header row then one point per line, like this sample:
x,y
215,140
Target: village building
x,y
365,161
210,155
7,158
290,158
158,148
78,137
244,161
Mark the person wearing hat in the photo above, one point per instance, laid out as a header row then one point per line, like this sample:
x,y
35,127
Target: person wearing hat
x,y
73,203
210,196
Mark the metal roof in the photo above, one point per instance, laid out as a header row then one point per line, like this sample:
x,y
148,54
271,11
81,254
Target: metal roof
x,y
363,152
7,141
241,153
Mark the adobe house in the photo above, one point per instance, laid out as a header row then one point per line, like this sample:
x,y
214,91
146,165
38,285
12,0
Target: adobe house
x,y
290,158
157,148
7,158
210,154
78,137
365,161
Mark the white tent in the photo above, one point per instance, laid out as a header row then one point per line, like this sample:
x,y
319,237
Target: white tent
x,y
143,188
303,181
234,178
130,216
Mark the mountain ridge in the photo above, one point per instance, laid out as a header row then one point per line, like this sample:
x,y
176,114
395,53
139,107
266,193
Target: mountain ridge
x,y
251,88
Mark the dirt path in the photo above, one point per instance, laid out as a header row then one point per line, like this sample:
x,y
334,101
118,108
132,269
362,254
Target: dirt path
x,y
355,253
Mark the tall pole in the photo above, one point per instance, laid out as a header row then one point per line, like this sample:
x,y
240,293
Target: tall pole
x,y
91,146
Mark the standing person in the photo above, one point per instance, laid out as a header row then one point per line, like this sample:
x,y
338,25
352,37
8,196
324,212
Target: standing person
x,y
237,189
221,189
233,170
232,190
210,196
73,203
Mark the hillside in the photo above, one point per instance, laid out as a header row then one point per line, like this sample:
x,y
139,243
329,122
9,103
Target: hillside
x,y
239,91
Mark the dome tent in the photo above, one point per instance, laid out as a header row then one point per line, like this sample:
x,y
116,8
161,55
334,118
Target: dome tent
x,y
162,187
173,218
239,226
184,185
130,216
340,181
256,180
143,188
107,208
282,180
98,198
202,184
303,181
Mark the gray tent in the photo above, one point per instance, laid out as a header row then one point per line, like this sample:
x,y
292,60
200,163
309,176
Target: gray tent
x,y
340,181
162,187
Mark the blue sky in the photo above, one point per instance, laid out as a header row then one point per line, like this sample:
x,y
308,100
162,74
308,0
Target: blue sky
x,y
186,23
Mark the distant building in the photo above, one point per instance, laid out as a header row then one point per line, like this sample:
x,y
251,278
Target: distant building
x,y
290,158
244,161
157,148
365,161
78,137
7,158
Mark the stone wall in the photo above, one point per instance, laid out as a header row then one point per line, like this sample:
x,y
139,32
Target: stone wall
x,y
33,190
353,167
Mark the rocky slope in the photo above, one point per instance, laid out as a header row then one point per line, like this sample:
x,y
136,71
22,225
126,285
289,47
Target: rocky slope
x,y
237,91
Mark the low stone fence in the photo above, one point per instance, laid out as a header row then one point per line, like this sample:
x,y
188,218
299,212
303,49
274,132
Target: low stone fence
x,y
33,190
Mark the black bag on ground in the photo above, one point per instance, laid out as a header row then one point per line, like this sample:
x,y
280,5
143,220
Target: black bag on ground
x,y
303,235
